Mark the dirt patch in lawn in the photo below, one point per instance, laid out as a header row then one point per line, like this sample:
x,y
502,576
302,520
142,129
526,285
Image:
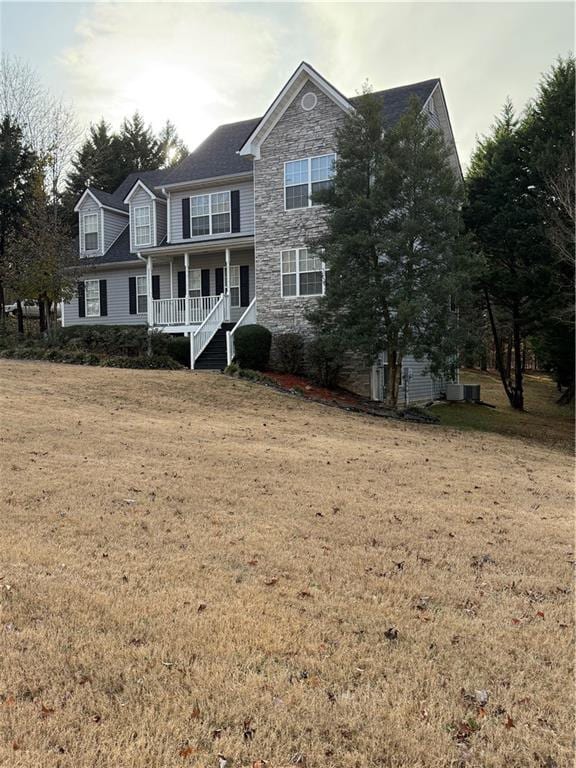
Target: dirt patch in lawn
x,y
192,565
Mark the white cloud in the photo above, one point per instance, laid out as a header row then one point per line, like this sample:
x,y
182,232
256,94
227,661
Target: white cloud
x,y
195,64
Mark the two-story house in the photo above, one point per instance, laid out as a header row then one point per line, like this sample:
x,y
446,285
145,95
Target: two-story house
x,y
220,240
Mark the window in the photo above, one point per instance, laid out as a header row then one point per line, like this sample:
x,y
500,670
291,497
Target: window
x,y
303,178
195,282
92,297
91,232
142,227
141,295
234,285
210,214
303,273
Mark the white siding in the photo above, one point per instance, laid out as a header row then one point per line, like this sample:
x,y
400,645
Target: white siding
x,y
246,189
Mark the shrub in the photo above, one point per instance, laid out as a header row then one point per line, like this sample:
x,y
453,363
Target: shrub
x,y
153,362
122,340
289,352
176,347
326,358
252,345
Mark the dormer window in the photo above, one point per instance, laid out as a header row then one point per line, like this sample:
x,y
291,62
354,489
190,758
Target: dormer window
x,y
142,225
91,232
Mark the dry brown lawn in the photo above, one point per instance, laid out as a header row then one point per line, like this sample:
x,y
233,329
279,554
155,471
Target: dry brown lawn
x,y
192,565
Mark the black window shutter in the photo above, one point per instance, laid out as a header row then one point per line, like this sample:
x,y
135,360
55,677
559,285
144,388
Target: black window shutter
x,y
219,273
155,286
132,295
205,282
244,286
103,298
235,209
181,285
186,217
81,300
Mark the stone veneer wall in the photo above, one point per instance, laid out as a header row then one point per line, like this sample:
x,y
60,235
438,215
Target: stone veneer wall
x,y
297,135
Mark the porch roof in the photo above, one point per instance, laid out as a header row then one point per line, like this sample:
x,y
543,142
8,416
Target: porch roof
x,y
199,246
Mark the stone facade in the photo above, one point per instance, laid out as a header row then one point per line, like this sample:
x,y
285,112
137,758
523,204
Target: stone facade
x,y
298,134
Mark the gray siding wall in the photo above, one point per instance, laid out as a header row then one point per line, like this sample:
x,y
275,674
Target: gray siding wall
x,y
89,206
117,286
421,386
298,134
114,225
246,189
161,219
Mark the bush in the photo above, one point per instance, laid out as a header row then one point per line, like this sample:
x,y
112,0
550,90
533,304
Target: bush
x,y
326,358
153,362
122,340
289,352
176,347
252,345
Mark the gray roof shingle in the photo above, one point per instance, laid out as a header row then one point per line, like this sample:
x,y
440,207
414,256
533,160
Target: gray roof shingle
x,y
217,155
395,101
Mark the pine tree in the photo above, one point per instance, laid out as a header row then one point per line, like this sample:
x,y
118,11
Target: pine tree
x,y
17,163
392,244
172,148
140,150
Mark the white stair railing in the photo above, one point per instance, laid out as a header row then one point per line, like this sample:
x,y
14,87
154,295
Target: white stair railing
x,y
248,318
201,337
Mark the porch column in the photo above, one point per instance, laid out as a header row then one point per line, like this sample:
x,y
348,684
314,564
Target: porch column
x,y
228,284
172,278
187,302
149,304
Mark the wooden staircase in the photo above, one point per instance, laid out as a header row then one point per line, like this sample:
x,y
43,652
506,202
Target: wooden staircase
x,y
213,358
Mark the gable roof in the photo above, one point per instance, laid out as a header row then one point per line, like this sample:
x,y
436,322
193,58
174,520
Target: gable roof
x,y
150,179
217,155
275,111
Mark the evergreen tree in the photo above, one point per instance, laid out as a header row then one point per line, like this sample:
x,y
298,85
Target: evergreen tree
x,y
96,162
17,163
172,148
392,243
140,150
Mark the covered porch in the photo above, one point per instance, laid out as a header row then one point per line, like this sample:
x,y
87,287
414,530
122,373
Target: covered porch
x,y
204,291
185,283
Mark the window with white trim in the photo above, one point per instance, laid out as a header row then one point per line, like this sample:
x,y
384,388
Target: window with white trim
x,y
141,295
142,225
303,273
195,283
234,285
210,214
92,297
303,178
90,231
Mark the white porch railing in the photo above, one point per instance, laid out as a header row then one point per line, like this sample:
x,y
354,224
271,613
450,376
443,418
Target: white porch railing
x,y
248,318
173,311
200,338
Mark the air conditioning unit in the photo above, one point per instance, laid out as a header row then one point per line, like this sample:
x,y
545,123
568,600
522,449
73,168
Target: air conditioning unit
x,y
472,393
454,392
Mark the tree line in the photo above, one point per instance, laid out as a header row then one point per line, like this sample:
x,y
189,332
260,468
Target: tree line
x,y
45,164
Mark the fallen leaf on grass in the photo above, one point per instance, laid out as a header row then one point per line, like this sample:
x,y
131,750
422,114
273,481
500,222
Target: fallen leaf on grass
x,y
187,751
46,712
248,731
259,764
540,614
509,722
195,714
253,562
271,582
15,746
391,634
516,621
201,607
304,593
216,733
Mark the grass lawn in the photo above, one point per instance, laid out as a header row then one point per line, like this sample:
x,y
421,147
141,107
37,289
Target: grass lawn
x,y
192,565
543,420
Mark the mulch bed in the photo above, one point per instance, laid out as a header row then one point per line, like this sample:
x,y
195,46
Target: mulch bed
x,y
341,398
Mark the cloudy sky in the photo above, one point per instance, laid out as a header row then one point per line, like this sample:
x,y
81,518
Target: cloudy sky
x,y
202,64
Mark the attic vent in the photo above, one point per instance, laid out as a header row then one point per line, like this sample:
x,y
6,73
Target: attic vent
x,y
309,101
